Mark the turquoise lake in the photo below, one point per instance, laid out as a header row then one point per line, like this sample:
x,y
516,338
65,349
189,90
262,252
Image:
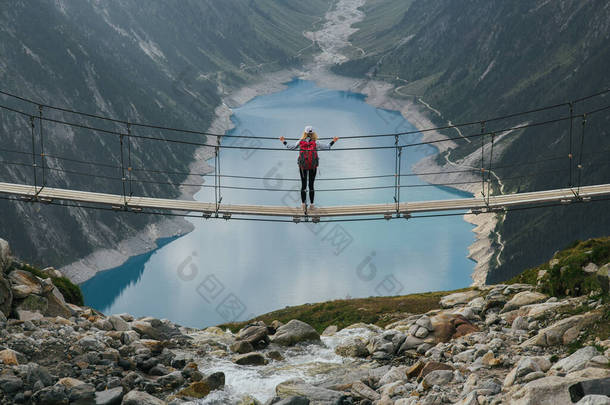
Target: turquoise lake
x,y
233,270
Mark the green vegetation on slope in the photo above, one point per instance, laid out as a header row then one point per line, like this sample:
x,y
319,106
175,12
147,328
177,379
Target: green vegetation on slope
x,y
71,292
563,275
380,311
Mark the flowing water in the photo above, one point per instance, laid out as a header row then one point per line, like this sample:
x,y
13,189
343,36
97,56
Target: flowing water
x,y
232,270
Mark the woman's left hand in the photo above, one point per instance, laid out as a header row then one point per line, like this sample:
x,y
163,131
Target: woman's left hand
x,y
335,139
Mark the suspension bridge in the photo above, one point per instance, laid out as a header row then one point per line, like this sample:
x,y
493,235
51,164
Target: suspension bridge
x,y
41,164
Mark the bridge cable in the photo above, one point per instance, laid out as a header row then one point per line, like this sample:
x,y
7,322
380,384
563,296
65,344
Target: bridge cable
x,y
489,171
570,155
42,155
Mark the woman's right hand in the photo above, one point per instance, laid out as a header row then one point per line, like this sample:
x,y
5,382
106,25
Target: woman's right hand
x,y
282,139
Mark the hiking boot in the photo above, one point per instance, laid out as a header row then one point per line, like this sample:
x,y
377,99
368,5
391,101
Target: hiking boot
x,y
304,207
312,207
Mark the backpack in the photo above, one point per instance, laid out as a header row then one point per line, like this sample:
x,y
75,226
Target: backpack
x,y
308,155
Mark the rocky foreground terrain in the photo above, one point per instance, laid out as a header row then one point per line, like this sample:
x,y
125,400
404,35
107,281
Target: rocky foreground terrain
x,y
500,344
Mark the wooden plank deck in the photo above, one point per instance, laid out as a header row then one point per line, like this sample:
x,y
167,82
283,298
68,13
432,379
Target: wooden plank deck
x,y
472,204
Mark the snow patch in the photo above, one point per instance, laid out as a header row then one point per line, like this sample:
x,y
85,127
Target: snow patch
x,y
31,54
491,65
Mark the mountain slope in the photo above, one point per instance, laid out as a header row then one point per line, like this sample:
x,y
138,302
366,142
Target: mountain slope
x,y
162,63
481,59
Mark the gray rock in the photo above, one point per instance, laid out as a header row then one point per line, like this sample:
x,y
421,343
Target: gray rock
x,y
411,342
241,347
118,323
91,343
581,389
295,400
109,397
590,268
255,334
329,331
54,395
82,394
294,332
6,294
352,348
140,398
250,359
32,303
129,337
452,300
425,322
577,361
215,381
519,324
5,256
156,329
594,400
298,387
524,298
171,380
361,390
56,304
438,377
421,333
10,383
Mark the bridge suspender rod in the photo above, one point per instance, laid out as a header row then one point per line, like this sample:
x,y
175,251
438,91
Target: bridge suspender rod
x,y
396,171
33,127
582,143
398,187
216,179
489,172
123,178
42,155
570,155
129,167
483,158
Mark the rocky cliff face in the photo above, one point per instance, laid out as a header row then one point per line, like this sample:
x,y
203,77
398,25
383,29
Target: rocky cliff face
x,y
469,61
161,63
499,344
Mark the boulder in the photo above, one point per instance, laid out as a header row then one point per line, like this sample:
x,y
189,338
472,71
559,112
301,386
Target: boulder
x,y
27,280
410,343
295,400
330,330
118,323
171,380
250,359
32,307
437,377
10,357
577,360
6,294
361,390
554,334
56,304
590,268
255,334
241,347
53,395
554,390
450,326
294,332
10,383
352,348
155,329
197,390
215,381
298,387
140,398
452,300
524,298
111,396
594,400
82,394
5,256
433,366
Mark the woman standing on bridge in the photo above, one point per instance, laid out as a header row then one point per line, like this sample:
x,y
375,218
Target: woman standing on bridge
x,y
308,147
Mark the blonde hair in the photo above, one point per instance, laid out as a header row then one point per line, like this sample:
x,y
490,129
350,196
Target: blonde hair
x,y
314,136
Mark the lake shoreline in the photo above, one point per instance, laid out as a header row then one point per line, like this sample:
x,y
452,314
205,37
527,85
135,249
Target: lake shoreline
x,y
378,94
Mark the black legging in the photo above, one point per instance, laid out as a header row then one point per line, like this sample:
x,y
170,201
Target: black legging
x,y
311,173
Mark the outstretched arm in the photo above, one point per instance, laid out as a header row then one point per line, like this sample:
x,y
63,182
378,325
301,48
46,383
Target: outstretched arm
x,y
293,147
320,146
